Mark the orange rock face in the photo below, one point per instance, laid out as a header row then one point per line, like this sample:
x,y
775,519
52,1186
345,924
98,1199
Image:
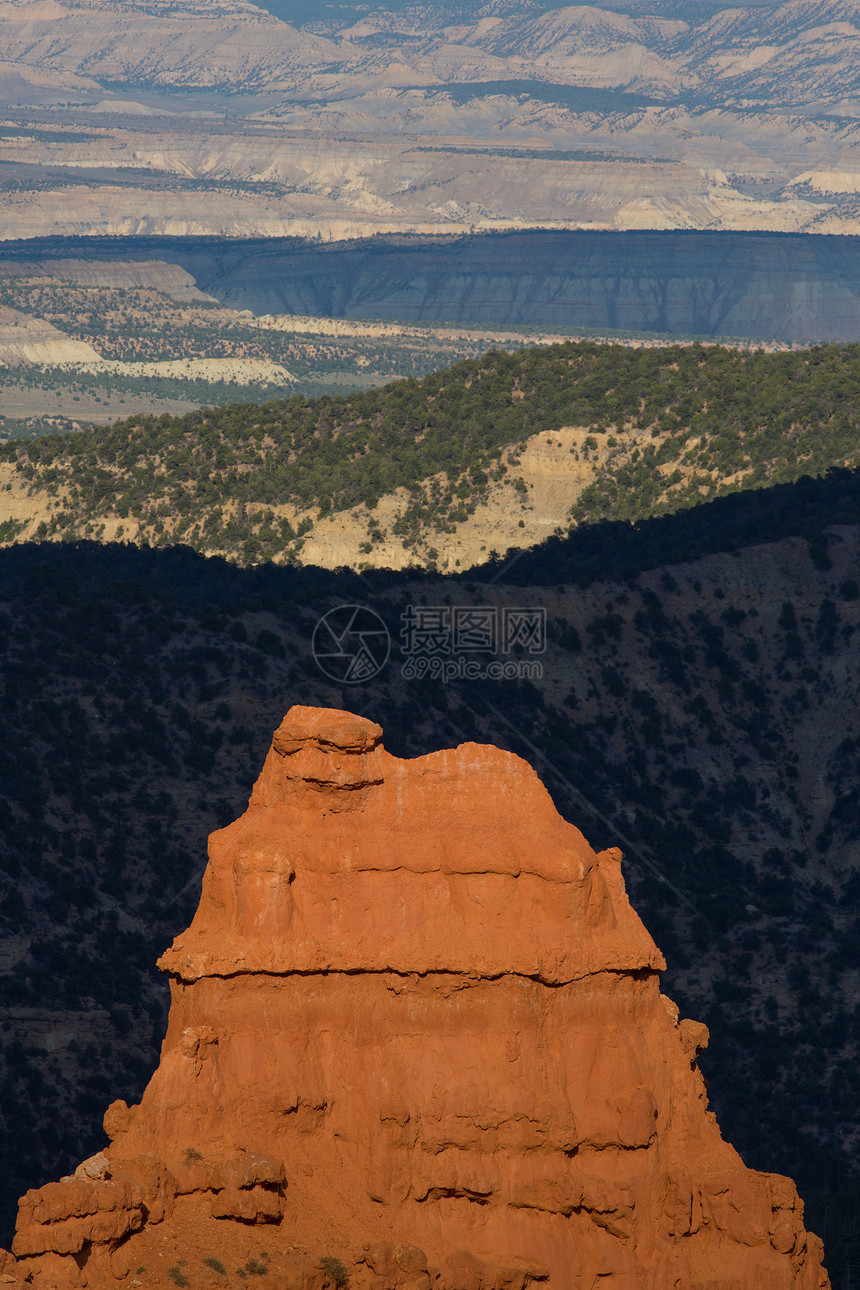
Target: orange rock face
x,y
416,1039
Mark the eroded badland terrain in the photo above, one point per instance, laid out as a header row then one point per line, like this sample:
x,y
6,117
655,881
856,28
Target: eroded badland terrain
x,y
225,118
351,135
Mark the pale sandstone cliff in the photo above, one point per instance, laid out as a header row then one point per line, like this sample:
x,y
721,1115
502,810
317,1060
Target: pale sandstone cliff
x,y
25,341
415,1027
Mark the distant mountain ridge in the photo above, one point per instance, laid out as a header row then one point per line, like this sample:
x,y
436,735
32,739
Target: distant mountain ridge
x,y
809,48
734,118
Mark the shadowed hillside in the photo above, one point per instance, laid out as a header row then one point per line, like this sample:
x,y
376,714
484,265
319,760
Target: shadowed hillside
x,y
697,706
800,287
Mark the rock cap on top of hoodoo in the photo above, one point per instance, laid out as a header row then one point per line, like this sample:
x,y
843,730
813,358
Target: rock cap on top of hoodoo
x,y
350,859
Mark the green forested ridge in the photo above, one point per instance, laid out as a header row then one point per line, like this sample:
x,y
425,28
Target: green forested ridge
x,y
677,426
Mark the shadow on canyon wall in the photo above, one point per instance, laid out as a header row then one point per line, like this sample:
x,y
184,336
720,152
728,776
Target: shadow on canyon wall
x,y
758,286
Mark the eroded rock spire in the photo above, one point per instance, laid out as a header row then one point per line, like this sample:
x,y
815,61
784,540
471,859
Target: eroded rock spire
x,y
416,1030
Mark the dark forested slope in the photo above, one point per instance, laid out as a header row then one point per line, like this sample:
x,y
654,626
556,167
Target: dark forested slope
x,y
703,715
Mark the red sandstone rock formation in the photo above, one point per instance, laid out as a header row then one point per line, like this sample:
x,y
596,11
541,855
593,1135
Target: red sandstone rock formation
x,y
417,1038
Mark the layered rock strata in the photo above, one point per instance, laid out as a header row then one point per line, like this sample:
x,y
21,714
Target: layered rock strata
x,y
417,1040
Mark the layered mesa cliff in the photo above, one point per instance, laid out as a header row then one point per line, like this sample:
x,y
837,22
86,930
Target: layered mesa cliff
x,y
417,1040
